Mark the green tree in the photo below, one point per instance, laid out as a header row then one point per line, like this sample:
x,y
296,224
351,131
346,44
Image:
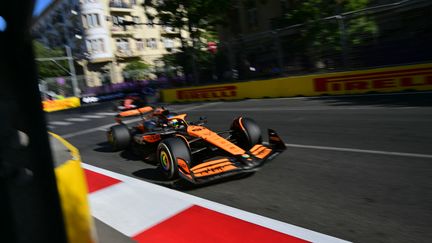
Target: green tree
x,y
318,34
48,69
137,70
198,18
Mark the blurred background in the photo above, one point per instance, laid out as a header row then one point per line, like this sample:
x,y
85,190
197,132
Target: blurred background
x,y
98,47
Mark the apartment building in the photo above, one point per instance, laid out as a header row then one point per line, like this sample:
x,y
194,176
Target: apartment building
x,y
100,42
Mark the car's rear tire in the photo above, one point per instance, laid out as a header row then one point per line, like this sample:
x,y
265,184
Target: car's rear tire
x,y
168,151
246,132
119,137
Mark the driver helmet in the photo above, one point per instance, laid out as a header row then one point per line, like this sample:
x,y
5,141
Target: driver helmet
x,y
175,123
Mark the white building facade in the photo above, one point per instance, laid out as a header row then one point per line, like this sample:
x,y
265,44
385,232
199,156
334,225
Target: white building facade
x,y
99,41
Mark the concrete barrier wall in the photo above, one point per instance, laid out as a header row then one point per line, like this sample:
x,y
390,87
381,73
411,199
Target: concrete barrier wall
x,y
72,187
390,79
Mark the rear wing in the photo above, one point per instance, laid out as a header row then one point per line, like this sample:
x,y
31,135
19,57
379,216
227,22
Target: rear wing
x,y
131,113
135,112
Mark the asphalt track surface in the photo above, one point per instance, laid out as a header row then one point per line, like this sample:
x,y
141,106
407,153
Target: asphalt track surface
x,y
357,168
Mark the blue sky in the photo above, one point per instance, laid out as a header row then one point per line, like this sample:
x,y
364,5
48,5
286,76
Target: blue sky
x,y
40,6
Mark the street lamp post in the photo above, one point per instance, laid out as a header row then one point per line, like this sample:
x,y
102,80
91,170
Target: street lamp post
x,y
343,41
72,71
341,23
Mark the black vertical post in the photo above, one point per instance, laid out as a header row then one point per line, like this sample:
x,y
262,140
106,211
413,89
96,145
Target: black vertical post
x,y
29,200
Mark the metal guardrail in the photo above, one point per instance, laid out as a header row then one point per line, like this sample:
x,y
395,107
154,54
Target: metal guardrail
x,y
402,35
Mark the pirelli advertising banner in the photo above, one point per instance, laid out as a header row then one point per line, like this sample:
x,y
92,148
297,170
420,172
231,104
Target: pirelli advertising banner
x,y
62,104
391,79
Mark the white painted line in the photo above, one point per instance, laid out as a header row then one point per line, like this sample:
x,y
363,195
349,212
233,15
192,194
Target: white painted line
x,y
107,113
198,106
105,127
74,134
60,123
165,195
286,98
95,129
427,156
92,116
77,119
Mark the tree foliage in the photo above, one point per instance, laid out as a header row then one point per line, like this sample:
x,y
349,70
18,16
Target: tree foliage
x,y
317,31
197,18
137,70
193,16
49,68
136,65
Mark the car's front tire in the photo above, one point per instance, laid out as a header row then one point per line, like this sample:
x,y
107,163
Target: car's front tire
x,y
246,132
168,151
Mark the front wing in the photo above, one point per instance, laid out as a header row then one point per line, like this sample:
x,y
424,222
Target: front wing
x,y
215,169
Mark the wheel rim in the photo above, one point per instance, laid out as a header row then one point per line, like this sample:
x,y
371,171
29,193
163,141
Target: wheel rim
x,y
165,160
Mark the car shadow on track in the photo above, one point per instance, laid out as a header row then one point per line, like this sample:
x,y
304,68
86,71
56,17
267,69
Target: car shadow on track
x,y
104,147
127,154
155,176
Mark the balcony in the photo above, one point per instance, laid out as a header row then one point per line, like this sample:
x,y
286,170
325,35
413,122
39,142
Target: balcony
x,y
124,53
121,31
120,6
168,30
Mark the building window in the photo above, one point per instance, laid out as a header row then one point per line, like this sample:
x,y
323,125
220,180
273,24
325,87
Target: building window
x,y
101,45
96,19
150,23
93,20
89,20
89,46
151,43
84,21
119,4
95,46
115,20
139,44
136,21
168,43
122,45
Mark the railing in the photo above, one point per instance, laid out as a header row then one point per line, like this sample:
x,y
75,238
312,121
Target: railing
x,y
398,34
119,30
122,52
114,4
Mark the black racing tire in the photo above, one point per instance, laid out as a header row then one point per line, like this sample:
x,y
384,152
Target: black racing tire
x,y
168,151
119,137
246,132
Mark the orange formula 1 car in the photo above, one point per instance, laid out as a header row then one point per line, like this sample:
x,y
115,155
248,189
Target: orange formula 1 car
x,y
190,150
